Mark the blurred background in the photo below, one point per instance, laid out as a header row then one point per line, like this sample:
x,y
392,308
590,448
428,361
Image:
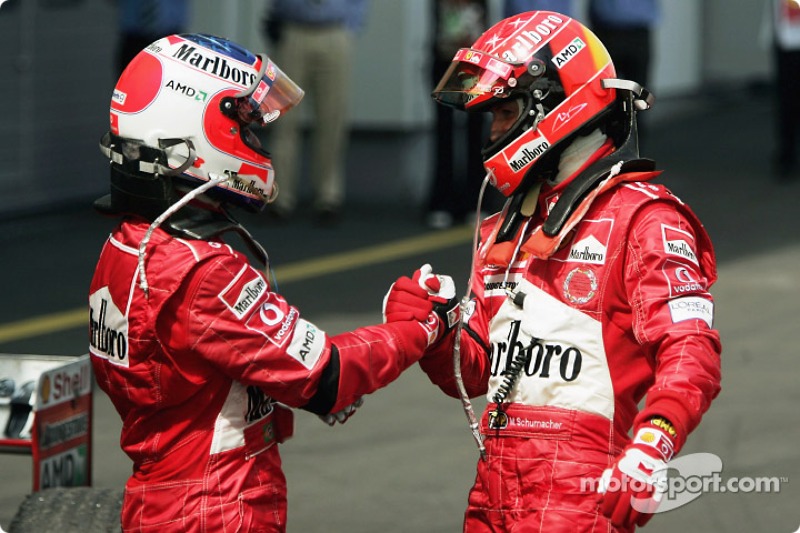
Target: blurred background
x,y
406,461
58,70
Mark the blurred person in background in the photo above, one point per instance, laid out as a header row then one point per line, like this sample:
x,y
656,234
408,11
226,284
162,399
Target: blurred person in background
x,y
588,322
142,22
626,29
514,7
457,166
315,39
198,353
782,28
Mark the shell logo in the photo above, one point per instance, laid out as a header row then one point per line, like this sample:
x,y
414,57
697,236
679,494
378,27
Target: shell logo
x,y
46,388
648,437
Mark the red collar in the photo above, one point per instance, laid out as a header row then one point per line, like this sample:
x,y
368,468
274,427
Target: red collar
x,y
543,246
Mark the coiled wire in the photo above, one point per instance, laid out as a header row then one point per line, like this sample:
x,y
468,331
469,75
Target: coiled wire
x,y
511,375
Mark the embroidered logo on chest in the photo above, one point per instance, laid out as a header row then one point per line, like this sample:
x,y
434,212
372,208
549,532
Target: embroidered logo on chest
x,y
580,285
590,243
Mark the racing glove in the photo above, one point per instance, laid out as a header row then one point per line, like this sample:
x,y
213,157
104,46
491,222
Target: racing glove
x,y
426,298
635,485
342,415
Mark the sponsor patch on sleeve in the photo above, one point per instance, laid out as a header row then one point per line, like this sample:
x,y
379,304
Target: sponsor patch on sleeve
x,y
243,293
307,343
692,307
274,319
679,242
682,279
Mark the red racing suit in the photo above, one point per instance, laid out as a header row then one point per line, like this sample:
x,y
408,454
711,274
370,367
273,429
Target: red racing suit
x,y
621,310
195,369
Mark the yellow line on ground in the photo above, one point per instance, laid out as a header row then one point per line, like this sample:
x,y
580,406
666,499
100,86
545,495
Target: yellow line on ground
x,y
39,325
373,254
44,324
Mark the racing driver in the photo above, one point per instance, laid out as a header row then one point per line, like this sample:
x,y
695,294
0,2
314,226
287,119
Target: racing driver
x,y
588,292
188,338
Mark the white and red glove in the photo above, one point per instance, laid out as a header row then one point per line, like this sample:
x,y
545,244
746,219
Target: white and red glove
x,y
427,298
635,485
342,415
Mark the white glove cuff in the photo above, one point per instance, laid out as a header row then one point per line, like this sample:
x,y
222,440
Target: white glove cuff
x,y
657,439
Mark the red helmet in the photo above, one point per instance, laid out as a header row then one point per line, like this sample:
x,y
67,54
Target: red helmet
x,y
554,65
184,108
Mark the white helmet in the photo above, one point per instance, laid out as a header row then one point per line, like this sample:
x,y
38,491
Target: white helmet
x,y
183,109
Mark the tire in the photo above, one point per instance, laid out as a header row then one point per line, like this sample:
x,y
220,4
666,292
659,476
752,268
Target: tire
x,y
69,510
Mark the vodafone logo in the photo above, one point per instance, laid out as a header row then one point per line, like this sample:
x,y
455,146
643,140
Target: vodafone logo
x,y
270,314
683,275
275,320
681,279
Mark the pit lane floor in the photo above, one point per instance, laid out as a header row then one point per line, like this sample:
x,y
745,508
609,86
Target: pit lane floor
x,y
406,461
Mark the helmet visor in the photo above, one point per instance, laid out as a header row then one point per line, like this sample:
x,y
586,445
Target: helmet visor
x,y
271,94
473,78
